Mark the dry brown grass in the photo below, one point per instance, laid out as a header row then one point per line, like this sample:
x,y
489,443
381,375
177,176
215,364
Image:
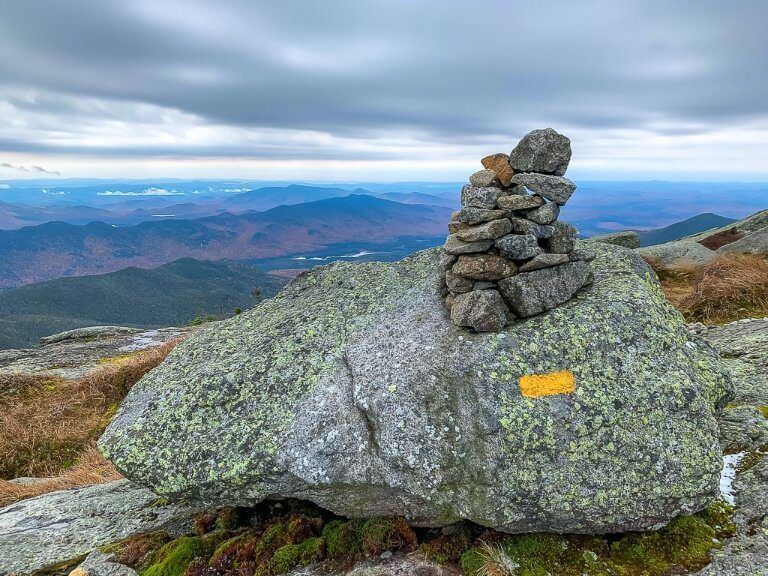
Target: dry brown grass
x,y
90,468
729,287
48,425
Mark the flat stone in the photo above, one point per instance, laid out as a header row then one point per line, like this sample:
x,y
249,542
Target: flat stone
x,y
546,214
473,216
484,286
562,241
532,293
518,246
102,564
484,267
481,310
554,188
625,238
458,284
678,251
545,151
62,526
480,197
483,178
499,163
454,227
582,255
488,231
519,202
545,261
523,226
455,246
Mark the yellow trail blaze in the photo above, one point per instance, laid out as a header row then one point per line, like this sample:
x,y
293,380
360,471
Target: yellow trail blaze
x,y
538,385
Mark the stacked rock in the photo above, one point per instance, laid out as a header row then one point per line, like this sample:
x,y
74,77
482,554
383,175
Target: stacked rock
x,y
507,255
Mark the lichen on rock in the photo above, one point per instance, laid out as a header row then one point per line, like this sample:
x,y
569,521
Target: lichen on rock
x,y
353,389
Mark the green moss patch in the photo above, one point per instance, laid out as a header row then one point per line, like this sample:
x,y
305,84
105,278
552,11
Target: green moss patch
x,y
270,543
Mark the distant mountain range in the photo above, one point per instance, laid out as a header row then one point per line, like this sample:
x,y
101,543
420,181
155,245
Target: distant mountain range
x,y
57,249
153,204
170,295
700,223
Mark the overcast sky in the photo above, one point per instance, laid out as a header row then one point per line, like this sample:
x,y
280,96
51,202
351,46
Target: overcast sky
x,y
380,89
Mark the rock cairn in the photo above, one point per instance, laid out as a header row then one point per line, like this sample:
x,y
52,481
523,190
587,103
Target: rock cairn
x,y
507,255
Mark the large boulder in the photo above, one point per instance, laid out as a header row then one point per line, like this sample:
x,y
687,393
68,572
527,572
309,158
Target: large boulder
x,y
353,389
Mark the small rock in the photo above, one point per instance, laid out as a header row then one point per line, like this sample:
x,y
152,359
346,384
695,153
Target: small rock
x,y
582,255
554,188
488,231
454,227
519,202
480,197
626,238
484,267
523,226
458,284
478,215
483,178
518,246
481,310
535,292
444,264
562,241
455,246
544,151
545,261
98,563
544,214
499,163
484,286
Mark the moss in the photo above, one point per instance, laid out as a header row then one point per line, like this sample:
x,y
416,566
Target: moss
x,y
342,539
688,541
444,549
289,557
380,534
472,562
719,517
174,558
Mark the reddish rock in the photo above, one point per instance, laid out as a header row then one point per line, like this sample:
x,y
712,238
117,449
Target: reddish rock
x,y
499,163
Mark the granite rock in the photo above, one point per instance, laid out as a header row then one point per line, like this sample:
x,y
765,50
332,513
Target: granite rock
x,y
545,151
554,188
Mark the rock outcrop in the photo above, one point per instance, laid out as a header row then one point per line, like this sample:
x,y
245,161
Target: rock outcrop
x,y
352,388
62,526
626,238
507,255
678,251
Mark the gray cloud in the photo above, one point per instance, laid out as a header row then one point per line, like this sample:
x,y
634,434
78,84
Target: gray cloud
x,y
451,73
29,169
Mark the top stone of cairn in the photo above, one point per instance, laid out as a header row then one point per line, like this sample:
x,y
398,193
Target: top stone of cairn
x,y
543,151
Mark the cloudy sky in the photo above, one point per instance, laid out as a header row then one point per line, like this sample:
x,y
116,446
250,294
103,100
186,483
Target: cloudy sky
x,y
380,89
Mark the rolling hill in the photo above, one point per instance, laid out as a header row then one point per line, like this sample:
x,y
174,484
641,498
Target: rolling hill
x,y
688,227
169,295
57,249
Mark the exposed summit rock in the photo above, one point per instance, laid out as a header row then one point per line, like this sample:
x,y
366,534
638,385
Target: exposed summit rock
x,y
352,388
